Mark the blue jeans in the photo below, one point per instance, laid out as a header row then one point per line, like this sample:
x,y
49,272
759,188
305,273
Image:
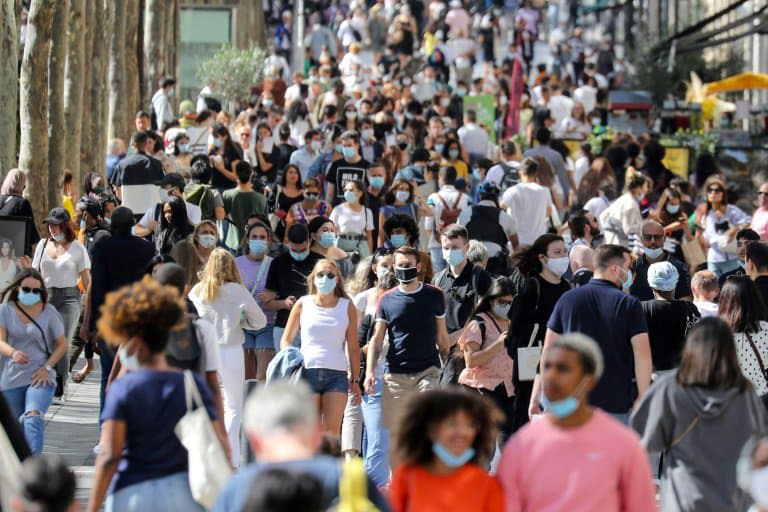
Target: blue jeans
x,y
170,493
67,303
277,335
107,359
22,401
259,340
375,437
325,380
438,262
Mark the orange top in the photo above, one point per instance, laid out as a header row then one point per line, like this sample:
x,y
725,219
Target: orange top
x,y
469,488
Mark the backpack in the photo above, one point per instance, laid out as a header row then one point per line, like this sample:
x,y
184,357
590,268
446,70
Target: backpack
x,y
448,215
511,176
202,196
184,350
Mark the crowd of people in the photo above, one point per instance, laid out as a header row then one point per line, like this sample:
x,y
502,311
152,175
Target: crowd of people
x,y
469,313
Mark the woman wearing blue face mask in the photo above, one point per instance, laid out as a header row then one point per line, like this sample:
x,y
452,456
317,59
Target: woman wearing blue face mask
x,y
254,267
182,158
452,156
31,342
355,221
327,320
670,214
442,448
205,238
65,265
323,233
225,154
401,199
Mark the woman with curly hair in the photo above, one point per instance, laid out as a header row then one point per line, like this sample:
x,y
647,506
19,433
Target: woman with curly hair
x,y
442,446
142,465
221,298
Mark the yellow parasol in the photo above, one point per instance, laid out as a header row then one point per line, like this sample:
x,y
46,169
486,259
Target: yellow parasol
x,y
739,82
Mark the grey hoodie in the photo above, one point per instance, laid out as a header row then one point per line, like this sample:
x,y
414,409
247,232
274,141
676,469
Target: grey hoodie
x,y
700,470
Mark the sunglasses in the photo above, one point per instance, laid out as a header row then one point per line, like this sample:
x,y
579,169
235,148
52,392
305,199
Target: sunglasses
x,y
653,237
715,190
27,289
329,275
384,251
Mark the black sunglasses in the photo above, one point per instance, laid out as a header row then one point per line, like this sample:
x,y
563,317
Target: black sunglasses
x,y
654,237
384,251
27,289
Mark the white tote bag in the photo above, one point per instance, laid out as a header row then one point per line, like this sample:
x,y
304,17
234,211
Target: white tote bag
x,y
528,358
10,467
209,468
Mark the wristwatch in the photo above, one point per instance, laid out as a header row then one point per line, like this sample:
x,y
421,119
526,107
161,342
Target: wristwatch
x,y
48,367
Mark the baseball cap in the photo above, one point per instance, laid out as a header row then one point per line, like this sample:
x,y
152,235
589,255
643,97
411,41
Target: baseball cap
x,y
57,216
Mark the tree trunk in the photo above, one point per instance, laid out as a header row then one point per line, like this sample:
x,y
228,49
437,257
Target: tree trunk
x,y
153,30
259,27
171,46
9,83
98,99
73,87
57,127
117,73
132,99
86,141
33,104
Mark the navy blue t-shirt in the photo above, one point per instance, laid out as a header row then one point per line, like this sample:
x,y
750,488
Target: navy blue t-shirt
x,y
150,403
611,317
410,319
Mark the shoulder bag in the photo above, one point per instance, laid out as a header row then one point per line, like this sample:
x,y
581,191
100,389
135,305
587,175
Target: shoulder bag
x,y
757,355
208,466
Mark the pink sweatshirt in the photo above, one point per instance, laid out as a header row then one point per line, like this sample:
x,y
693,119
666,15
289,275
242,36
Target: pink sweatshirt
x,y
598,467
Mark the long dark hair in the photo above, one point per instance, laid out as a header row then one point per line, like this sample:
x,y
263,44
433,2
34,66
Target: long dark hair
x,y
709,358
500,287
527,260
229,145
741,305
11,292
284,176
180,221
424,411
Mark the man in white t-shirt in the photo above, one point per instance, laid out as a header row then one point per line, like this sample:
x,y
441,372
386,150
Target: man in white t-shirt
x,y
528,203
560,106
587,95
445,198
473,137
173,184
507,167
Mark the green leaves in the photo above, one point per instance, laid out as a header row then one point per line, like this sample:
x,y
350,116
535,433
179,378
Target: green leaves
x,y
232,72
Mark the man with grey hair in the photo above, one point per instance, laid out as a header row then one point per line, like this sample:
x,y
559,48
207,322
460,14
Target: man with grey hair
x,y
477,254
284,431
653,239
668,318
554,449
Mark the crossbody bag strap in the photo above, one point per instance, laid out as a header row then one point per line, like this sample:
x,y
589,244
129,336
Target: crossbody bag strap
x,y
757,355
676,441
260,274
45,343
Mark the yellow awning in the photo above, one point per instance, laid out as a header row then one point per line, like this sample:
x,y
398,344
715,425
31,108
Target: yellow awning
x,y
739,82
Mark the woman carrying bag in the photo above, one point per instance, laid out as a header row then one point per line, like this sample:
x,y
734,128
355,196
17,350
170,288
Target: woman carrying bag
x,y
355,221
142,464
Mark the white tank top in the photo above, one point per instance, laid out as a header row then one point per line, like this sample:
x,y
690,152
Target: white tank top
x,y
323,333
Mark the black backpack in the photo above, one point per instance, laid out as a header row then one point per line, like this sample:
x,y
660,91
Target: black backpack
x,y
184,349
511,176
455,363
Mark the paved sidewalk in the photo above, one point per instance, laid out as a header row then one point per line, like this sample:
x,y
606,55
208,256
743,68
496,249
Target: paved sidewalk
x,y
72,430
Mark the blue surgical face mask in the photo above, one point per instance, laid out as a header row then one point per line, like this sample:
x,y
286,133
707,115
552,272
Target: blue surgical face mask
x,y
402,195
449,459
562,408
673,208
398,241
453,153
628,281
439,148
454,257
57,238
376,182
476,174
349,152
207,241
327,240
83,223
652,253
325,284
217,142
29,299
257,247
339,148
299,256
184,148
350,196
381,272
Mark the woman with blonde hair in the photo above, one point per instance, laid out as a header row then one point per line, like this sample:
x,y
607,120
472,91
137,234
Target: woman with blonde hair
x,y
205,237
221,298
329,343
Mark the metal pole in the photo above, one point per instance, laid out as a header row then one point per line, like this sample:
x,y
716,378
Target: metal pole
x,y
299,22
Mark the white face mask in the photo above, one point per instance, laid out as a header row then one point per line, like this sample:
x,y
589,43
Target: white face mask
x,y
130,362
758,486
558,266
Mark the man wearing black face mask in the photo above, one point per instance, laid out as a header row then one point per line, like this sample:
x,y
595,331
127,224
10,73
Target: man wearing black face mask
x,y
413,314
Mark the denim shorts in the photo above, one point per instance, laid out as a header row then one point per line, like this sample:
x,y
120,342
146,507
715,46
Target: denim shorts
x,y
257,340
323,380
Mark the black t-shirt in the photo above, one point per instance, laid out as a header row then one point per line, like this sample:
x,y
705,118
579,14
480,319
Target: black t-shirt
x,y
667,326
232,153
288,277
642,290
342,172
375,202
283,155
461,293
533,305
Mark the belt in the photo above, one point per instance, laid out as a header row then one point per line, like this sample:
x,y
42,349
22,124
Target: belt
x,y
351,237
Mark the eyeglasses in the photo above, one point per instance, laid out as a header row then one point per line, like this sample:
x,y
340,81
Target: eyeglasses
x,y
653,237
27,289
762,193
329,275
715,190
